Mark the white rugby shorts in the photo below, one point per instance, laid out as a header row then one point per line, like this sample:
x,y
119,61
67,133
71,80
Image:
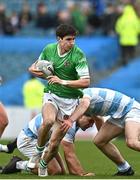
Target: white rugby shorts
x,y
132,115
64,106
26,145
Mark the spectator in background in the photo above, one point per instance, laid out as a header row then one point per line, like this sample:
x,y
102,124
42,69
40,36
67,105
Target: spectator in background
x,y
63,16
79,19
44,19
109,19
25,16
2,17
99,6
8,28
94,22
14,19
128,29
32,94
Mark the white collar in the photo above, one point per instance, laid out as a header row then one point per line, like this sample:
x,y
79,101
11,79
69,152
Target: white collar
x,y
63,55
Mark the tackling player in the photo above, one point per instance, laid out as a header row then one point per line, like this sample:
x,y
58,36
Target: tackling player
x,y
124,115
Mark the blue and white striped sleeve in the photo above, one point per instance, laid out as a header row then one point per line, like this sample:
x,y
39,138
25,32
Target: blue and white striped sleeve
x,y
70,135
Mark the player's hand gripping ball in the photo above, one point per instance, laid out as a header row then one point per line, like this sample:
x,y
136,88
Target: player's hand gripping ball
x,y
45,66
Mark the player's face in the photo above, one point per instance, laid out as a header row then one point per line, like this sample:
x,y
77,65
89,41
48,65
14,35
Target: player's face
x,y
67,42
85,122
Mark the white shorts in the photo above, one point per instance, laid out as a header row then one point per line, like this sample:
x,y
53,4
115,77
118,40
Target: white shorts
x,y
26,145
64,106
132,115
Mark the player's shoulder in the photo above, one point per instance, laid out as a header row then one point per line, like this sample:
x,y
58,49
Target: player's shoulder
x,y
78,55
50,46
78,51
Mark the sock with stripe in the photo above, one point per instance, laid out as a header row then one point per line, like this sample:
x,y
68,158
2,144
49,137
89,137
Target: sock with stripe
x,y
39,149
43,164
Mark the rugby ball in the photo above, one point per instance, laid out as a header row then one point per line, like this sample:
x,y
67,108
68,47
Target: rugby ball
x,y
45,66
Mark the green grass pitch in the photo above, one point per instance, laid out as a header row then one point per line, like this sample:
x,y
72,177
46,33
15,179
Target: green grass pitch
x,y
91,159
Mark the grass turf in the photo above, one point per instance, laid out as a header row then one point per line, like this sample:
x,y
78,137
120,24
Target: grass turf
x,y
91,159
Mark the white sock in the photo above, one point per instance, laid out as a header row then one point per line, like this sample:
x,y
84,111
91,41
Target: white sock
x,y
22,165
124,166
3,148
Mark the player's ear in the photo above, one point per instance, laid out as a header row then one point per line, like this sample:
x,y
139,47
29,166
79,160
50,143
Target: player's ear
x,y
59,38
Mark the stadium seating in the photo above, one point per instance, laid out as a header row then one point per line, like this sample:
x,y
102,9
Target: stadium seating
x,y
125,80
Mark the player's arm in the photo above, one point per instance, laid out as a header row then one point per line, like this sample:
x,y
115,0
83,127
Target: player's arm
x,y
80,83
32,69
79,111
73,164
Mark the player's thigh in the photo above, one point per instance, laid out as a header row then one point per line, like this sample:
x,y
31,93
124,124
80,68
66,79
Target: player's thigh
x,y
132,130
54,167
132,122
50,107
49,112
107,132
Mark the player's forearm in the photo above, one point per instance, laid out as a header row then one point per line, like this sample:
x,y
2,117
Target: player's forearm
x,y
81,109
80,83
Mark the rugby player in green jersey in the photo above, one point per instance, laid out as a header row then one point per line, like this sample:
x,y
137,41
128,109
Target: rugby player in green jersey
x,y
71,75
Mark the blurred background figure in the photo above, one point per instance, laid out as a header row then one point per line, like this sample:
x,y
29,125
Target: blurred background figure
x,y
43,18
2,17
109,19
32,94
128,29
25,16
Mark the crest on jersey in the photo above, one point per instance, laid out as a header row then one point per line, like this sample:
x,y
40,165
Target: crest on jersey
x,y
66,63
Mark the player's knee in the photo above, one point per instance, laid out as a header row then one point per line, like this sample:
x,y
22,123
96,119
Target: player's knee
x,y
98,142
48,122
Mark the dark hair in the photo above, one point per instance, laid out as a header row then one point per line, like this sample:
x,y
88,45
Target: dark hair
x,y
65,30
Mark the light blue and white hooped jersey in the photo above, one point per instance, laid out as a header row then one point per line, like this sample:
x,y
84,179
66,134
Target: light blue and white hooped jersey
x,y
32,127
106,102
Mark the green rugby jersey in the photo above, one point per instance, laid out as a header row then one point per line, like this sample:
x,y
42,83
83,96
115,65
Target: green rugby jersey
x,y
69,66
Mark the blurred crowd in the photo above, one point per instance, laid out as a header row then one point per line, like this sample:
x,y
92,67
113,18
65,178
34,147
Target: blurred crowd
x,y
88,16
